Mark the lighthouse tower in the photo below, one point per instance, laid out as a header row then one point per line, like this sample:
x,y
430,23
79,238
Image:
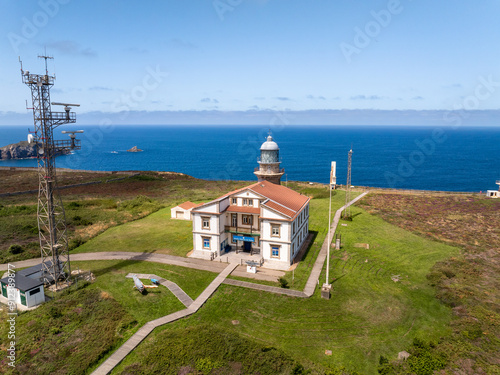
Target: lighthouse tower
x,y
269,163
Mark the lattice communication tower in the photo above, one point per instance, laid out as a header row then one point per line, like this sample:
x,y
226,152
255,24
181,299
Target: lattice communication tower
x,y
50,213
347,209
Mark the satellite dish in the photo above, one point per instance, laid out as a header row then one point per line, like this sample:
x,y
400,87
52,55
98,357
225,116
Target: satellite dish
x,y
30,138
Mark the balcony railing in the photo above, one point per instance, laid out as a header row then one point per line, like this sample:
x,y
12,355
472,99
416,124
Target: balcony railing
x,y
282,170
242,230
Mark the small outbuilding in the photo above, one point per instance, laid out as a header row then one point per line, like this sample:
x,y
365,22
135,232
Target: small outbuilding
x,y
183,211
494,193
24,291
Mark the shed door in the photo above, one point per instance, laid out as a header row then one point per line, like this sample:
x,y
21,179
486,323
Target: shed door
x,y
4,290
23,297
179,215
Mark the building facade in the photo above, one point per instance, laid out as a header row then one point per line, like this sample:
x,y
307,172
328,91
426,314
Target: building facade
x,y
263,218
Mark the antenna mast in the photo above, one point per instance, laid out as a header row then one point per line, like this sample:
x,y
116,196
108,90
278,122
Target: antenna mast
x,y
347,209
50,214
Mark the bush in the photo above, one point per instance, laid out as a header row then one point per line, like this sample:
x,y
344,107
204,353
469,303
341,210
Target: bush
x,y
16,249
78,220
30,229
75,242
283,282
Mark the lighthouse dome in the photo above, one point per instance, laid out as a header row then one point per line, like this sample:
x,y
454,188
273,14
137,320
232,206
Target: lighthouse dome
x,y
269,145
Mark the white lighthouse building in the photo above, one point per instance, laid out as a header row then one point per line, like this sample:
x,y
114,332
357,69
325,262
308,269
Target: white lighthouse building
x,y
269,162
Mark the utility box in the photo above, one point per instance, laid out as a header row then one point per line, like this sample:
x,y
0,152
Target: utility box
x,y
326,291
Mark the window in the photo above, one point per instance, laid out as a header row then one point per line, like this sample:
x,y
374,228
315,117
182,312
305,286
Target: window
x,y
234,220
247,219
234,201
275,230
250,202
206,243
34,291
205,222
275,251
245,202
232,239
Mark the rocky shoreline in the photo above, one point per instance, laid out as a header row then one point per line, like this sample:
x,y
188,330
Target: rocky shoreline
x,y
22,150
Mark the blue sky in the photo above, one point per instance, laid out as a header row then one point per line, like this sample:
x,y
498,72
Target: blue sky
x,y
246,56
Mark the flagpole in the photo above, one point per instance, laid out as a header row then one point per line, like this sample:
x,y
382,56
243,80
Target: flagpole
x,y
329,232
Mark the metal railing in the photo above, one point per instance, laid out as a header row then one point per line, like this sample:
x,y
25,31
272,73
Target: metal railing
x,y
243,230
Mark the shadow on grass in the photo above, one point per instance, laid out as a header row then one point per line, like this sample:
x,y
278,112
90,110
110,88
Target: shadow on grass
x,y
304,253
144,256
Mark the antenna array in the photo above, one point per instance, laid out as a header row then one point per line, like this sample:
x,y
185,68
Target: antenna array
x,y
50,214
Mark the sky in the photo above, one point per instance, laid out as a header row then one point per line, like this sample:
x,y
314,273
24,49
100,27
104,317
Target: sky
x,y
231,61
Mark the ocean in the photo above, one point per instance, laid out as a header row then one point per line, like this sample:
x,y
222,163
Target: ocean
x,y
423,158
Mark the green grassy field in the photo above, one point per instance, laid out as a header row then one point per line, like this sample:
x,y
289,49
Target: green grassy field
x,y
369,314
110,277
73,321
157,233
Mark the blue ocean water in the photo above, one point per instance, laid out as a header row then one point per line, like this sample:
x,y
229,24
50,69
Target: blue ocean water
x,y
426,158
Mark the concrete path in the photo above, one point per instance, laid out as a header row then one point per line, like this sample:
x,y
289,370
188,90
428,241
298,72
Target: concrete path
x,y
313,280
266,288
107,366
173,287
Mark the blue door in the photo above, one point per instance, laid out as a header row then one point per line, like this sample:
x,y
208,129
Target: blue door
x,y
247,246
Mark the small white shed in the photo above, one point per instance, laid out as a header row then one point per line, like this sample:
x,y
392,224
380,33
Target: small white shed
x,y
23,290
183,211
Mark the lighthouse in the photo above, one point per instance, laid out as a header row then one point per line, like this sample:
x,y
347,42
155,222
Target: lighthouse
x,y
269,162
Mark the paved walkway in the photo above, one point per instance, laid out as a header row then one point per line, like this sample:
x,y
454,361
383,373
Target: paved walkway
x,y
266,288
313,280
107,366
199,264
173,287
192,306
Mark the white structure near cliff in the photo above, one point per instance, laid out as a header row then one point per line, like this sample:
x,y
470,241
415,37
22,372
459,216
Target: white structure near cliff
x,y
263,218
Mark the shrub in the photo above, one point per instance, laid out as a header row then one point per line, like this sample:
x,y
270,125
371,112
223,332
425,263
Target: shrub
x,y
283,282
16,249
206,365
75,242
73,205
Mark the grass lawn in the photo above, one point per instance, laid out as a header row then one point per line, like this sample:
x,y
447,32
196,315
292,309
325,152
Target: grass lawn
x,y
156,233
110,277
369,314
318,225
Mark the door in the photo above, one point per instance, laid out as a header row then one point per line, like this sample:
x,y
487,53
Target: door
x,y
234,220
179,215
247,246
4,290
23,298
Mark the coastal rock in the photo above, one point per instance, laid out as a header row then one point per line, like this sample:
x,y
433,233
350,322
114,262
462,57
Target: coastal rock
x,y
23,150
134,149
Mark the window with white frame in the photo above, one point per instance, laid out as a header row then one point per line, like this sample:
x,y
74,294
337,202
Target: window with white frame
x,y
275,230
234,220
234,201
206,242
205,222
250,202
245,202
275,251
247,219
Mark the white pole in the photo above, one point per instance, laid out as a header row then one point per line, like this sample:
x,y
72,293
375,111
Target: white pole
x,y
329,235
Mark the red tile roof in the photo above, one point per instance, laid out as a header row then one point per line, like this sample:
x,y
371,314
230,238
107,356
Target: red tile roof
x,y
279,198
186,205
275,206
283,196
